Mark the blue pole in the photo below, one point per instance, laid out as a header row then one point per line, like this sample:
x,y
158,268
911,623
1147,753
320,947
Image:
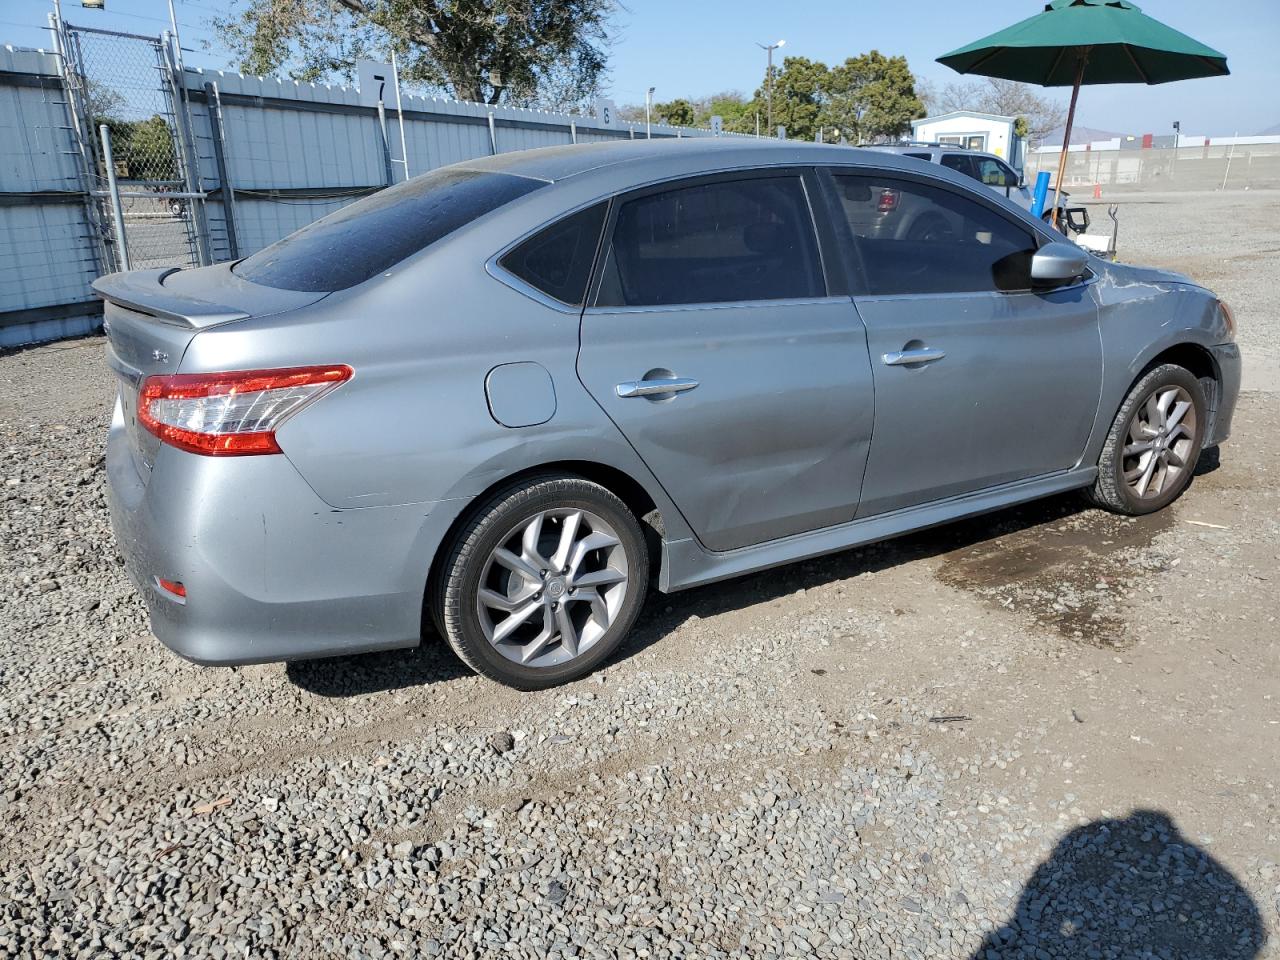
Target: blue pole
x,y
1041,194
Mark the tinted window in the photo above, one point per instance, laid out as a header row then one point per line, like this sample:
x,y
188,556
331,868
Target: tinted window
x,y
916,238
960,163
727,241
558,259
374,234
919,156
994,173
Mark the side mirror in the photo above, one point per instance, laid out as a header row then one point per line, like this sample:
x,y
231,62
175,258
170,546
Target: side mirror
x,y
1058,262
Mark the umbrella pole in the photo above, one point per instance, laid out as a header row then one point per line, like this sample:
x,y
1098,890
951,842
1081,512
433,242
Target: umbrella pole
x,y
1066,136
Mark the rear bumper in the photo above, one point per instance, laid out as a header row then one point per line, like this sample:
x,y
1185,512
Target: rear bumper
x,y
1226,358
271,571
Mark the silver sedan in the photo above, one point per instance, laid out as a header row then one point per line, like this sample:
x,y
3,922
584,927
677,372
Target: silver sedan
x,y
500,398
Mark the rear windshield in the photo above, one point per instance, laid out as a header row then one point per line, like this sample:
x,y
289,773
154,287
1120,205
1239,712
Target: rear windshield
x,y
374,234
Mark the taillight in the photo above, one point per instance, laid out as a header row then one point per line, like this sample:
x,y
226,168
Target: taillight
x,y
888,200
231,414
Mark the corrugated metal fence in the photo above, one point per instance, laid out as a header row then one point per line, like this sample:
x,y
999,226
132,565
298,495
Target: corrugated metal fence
x,y
270,156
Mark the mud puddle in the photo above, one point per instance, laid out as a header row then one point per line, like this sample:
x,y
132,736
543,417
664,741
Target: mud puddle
x,y
1072,573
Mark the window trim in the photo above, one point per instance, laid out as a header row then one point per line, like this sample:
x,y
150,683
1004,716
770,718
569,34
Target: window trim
x,y
493,266
808,185
852,256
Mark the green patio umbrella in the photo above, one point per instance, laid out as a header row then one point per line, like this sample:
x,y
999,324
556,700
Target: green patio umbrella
x,y
1074,42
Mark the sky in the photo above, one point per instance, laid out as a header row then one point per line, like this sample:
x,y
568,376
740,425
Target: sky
x,y
692,48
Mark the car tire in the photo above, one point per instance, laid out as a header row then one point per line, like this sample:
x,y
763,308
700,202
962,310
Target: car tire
x,y
1151,451
488,578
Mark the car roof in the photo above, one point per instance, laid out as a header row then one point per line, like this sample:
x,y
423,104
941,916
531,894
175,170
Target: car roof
x,y
905,148
692,155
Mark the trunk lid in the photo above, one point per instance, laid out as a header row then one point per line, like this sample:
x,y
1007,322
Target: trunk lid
x,y
150,318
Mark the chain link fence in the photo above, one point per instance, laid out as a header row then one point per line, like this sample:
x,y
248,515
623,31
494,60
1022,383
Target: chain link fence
x,y
125,83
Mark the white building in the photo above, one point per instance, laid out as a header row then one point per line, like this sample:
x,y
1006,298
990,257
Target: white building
x,y
974,131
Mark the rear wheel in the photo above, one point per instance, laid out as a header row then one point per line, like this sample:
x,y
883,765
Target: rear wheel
x,y
1154,443
543,584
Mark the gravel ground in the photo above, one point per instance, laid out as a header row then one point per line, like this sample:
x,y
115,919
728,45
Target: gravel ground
x,y
1047,733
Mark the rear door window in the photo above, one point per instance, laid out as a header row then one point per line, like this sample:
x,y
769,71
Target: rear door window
x,y
557,260
374,234
960,163
915,238
719,242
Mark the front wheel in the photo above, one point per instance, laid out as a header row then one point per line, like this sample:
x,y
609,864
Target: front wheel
x,y
1154,443
544,582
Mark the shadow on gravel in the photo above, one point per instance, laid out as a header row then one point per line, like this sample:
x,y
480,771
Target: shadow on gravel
x,y
1004,546
429,662
663,613
1130,888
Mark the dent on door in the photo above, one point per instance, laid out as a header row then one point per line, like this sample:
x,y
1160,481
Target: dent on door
x,y
756,418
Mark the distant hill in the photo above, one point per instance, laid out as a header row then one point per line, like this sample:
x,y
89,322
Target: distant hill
x,y
1272,131
1079,134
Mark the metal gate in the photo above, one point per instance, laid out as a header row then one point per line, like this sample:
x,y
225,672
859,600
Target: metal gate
x,y
130,84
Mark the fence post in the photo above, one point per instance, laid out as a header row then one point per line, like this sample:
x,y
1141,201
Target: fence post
x,y
122,246
573,132
404,144
386,145
493,135
82,131
213,101
187,150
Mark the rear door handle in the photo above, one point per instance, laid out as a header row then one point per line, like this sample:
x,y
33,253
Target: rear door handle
x,y
649,388
921,355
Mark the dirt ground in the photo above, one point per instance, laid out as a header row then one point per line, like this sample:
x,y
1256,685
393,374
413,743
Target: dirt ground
x,y
975,704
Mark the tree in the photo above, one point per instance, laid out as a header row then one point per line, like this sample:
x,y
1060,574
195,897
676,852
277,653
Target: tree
x,y
871,97
864,98
551,52
799,93
678,113
1038,114
736,112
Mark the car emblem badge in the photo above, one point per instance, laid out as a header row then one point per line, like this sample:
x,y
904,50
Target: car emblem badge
x,y
556,588
159,356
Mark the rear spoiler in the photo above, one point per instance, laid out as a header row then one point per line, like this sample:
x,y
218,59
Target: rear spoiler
x,y
144,292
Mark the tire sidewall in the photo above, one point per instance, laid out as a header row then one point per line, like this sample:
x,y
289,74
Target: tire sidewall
x,y
495,525
1163,376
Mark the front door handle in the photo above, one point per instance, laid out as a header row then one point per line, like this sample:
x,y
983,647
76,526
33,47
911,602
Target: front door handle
x,y
650,388
920,355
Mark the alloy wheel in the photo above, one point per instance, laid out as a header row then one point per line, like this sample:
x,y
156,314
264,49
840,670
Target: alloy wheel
x,y
1160,444
550,589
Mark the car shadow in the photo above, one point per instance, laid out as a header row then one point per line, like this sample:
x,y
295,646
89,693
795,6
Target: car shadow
x,y
433,662
430,662
664,613
1132,887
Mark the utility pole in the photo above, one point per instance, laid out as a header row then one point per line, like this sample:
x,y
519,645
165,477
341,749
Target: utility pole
x,y
768,48
648,105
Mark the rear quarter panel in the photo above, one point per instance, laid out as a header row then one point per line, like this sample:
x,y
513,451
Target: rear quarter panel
x,y
413,424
